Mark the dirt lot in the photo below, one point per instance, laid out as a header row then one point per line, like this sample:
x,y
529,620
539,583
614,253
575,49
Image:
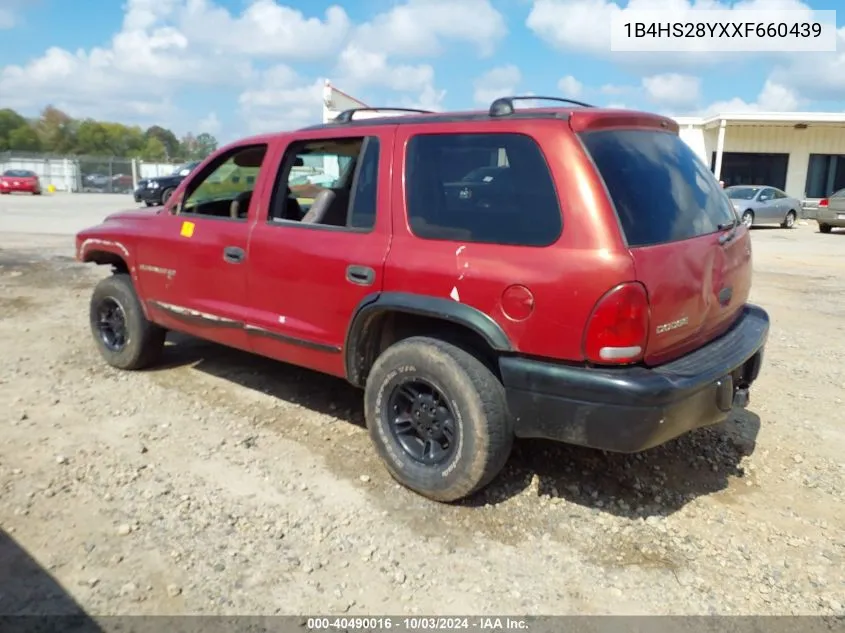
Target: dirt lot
x,y
224,483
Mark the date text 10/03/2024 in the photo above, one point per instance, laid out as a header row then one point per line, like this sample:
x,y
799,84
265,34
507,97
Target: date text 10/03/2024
x,y
416,623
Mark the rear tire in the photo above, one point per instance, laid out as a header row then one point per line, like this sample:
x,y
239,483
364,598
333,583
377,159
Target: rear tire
x,y
789,221
124,336
748,218
825,228
438,418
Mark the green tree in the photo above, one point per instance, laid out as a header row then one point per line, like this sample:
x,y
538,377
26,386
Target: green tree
x,y
9,121
25,139
154,150
167,138
56,130
92,138
206,144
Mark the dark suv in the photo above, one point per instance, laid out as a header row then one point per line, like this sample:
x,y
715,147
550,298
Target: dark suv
x,y
157,191
572,273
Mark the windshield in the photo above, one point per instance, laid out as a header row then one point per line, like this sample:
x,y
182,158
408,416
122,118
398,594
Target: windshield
x,y
18,173
188,166
742,193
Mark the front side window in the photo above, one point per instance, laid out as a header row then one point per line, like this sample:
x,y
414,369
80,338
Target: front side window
x,y
742,193
225,188
488,188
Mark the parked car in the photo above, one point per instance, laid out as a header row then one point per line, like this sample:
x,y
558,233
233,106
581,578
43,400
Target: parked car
x,y
603,303
831,212
157,191
758,205
20,181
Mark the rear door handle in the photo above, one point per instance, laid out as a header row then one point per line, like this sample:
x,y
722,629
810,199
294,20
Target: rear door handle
x,y
233,254
360,275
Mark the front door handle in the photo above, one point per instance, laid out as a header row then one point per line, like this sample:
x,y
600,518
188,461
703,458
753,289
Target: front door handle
x,y
233,254
360,275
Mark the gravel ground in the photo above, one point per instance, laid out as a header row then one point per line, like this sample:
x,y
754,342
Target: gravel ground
x,y
222,483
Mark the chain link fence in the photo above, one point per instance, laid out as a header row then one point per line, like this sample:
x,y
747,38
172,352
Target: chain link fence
x,y
85,174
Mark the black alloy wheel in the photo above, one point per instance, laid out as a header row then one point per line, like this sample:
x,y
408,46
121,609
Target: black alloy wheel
x,y
111,324
422,421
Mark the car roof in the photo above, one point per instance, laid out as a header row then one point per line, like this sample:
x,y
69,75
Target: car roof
x,y
500,109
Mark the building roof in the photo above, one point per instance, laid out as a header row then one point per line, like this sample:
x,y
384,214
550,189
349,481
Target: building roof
x,y
764,118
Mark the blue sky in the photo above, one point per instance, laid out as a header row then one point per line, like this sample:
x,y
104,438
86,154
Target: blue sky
x,y
234,67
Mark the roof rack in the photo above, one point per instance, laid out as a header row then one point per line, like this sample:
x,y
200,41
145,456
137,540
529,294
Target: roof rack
x,y
347,115
503,106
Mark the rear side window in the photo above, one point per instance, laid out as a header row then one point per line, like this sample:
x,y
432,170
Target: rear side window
x,y
661,190
490,188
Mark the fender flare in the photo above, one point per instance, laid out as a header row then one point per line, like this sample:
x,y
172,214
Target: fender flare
x,y
376,304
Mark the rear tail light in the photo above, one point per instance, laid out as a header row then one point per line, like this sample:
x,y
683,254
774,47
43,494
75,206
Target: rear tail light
x,y
617,331
823,202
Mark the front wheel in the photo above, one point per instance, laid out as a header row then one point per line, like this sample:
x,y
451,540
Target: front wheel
x,y
748,218
438,418
124,336
165,195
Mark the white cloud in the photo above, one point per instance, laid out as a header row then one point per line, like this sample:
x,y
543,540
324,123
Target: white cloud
x,y
282,100
773,97
673,89
498,82
570,87
816,75
419,28
209,124
167,46
265,29
8,19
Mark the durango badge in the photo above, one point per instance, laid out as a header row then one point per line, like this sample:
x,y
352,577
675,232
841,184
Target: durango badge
x,y
672,325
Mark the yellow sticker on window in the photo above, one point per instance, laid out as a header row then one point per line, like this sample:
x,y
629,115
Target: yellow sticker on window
x,y
187,229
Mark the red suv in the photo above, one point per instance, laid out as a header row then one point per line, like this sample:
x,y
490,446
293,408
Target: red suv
x,y
571,273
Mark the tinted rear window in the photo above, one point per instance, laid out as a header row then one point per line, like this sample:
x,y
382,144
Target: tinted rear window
x,y
492,188
661,190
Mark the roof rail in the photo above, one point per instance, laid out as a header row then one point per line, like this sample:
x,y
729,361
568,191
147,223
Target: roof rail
x,y
347,115
503,106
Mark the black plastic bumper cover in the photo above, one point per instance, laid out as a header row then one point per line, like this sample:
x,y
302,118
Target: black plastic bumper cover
x,y
632,409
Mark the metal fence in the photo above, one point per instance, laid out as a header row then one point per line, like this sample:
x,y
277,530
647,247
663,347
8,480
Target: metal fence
x,y
76,174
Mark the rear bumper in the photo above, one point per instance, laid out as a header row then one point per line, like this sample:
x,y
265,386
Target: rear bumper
x,y
632,409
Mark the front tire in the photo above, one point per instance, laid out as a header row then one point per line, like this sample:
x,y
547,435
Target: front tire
x,y
438,418
124,336
789,221
825,228
165,195
748,218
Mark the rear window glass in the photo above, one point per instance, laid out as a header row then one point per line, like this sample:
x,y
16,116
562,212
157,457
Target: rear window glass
x,y
491,188
661,190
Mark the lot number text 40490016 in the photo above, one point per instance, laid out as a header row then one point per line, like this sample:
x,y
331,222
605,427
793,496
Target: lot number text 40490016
x,y
410,624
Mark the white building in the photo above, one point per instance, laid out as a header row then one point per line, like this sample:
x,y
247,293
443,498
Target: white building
x,y
802,153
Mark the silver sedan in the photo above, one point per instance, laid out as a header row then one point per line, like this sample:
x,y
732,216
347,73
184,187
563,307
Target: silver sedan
x,y
757,205
831,213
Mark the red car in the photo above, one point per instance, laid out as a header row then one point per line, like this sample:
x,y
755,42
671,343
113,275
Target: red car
x,y
571,273
20,181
